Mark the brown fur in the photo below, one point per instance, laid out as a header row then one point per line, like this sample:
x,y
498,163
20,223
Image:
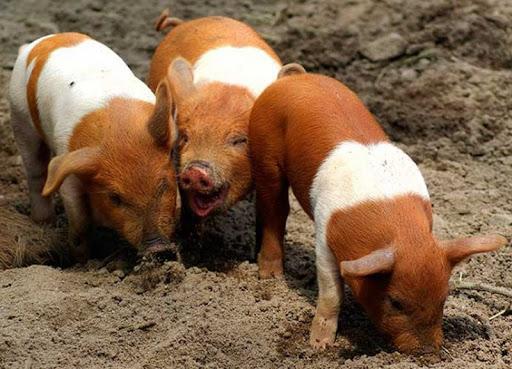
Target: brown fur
x,y
209,137
40,54
294,124
132,165
419,261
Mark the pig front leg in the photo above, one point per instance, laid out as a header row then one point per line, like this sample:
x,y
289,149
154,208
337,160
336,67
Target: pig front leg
x,y
272,208
77,211
36,156
330,297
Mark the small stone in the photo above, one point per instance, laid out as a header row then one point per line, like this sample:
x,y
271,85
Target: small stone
x,y
119,273
500,220
409,74
384,48
15,160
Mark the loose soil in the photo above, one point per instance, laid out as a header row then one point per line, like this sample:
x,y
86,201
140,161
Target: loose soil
x,y
442,93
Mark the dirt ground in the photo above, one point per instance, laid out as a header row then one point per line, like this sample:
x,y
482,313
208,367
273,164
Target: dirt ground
x,y
440,85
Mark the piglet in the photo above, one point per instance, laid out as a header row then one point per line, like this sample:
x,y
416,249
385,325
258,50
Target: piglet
x,y
218,66
370,204
74,97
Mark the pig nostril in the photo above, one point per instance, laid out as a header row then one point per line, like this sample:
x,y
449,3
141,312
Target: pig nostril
x,y
204,183
186,181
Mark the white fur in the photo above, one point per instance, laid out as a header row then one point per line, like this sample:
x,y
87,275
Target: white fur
x,y
354,173
248,67
98,74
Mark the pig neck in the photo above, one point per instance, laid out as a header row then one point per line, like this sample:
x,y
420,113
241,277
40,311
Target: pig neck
x,y
102,126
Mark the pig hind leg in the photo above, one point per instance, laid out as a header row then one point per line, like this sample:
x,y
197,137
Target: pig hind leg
x,y
36,156
272,209
330,296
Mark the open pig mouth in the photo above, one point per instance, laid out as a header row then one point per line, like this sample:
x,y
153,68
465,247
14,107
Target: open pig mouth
x,y
202,204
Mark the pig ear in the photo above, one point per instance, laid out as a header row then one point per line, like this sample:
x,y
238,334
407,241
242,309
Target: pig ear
x,y
181,77
291,69
82,162
459,249
380,261
161,125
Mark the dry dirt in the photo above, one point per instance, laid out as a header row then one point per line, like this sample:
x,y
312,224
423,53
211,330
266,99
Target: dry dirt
x,y
444,95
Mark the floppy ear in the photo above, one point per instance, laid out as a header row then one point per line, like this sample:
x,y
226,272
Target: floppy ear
x,y
459,249
291,69
82,162
161,124
379,261
181,77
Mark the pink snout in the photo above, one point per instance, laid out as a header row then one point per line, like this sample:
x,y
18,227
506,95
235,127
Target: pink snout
x,y
196,178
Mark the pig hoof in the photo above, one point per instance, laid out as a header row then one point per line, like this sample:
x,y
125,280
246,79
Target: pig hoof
x,y
270,268
323,333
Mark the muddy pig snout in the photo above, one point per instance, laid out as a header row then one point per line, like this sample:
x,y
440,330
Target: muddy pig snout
x,y
197,176
154,244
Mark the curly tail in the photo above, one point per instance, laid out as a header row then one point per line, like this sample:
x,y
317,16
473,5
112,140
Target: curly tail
x,y
164,21
23,243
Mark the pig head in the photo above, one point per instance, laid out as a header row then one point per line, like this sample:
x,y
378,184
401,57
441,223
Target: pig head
x,y
404,285
214,167
121,158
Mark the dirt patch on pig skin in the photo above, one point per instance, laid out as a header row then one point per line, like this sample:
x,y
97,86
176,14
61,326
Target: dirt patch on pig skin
x,y
444,95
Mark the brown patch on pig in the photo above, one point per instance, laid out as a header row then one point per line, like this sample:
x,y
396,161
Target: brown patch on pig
x,y
407,303
192,39
213,123
132,188
121,154
40,54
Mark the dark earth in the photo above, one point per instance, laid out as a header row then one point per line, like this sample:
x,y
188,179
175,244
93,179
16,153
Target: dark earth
x,y
437,74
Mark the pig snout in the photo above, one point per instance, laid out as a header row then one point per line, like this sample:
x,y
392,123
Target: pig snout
x,y
154,244
197,176
204,191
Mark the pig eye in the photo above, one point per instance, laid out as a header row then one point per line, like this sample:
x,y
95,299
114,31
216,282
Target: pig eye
x,y
115,199
238,140
183,138
395,304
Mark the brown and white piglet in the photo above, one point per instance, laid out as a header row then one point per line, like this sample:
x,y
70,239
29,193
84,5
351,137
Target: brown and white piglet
x,y
218,66
372,213
74,97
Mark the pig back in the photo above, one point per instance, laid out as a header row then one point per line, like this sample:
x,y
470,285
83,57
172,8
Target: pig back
x,y
192,39
307,116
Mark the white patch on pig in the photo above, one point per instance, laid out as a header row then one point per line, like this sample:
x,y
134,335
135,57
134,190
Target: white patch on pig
x,y
248,67
353,173
74,82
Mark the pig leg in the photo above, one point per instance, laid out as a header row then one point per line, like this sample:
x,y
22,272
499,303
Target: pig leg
x,y
77,212
36,156
272,209
330,296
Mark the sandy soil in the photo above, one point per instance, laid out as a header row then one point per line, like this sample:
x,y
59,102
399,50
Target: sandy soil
x,y
441,89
